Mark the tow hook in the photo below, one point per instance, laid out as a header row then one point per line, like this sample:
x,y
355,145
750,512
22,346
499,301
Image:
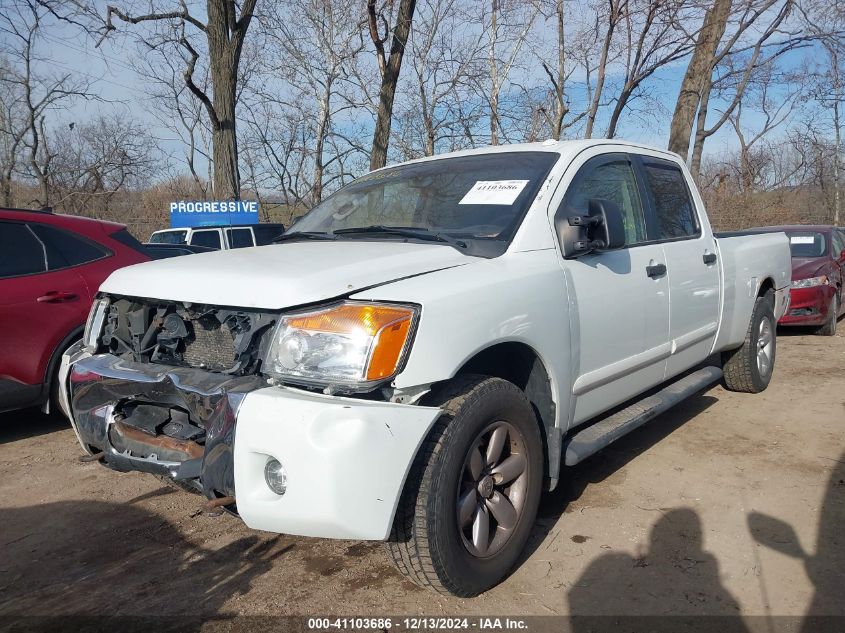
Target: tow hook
x,y
96,457
212,507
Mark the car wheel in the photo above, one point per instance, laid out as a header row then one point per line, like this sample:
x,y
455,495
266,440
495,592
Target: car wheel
x,y
55,407
829,328
471,497
749,367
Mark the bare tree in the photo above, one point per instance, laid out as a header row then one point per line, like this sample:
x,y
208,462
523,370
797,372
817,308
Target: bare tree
x,y
653,38
389,67
699,69
314,45
95,160
605,28
225,31
32,90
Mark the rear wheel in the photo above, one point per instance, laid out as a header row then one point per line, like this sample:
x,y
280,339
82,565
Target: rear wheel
x,y
749,367
472,494
829,328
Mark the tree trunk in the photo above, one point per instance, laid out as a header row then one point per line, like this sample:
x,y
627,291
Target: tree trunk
x,y
700,128
621,102
602,69
701,65
389,80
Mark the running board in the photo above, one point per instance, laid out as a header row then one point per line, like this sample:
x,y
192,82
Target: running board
x,y
595,437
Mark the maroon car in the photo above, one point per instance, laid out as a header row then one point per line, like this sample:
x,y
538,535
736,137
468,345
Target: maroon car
x,y
51,266
818,269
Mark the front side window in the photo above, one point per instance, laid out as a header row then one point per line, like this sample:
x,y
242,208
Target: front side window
x,y
21,253
474,198
266,234
168,237
674,211
211,239
64,249
807,244
614,181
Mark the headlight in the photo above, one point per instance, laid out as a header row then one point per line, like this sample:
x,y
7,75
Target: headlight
x,y
94,325
810,282
351,343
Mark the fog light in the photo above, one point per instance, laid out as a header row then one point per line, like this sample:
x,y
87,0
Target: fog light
x,y
276,476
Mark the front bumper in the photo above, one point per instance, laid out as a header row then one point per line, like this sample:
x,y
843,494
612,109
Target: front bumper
x,y
346,459
808,306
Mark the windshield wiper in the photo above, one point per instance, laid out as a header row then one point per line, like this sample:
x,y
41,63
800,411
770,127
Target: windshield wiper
x,y
304,235
405,231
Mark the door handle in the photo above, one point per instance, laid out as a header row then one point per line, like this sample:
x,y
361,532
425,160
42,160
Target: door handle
x,y
655,270
55,296
709,258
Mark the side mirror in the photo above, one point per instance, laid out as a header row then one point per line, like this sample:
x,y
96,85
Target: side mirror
x,y
775,534
602,229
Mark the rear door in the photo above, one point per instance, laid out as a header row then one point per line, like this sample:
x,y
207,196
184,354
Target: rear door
x,y
42,300
691,261
622,316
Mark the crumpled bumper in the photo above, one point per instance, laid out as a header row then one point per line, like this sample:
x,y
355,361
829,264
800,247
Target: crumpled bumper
x,y
346,459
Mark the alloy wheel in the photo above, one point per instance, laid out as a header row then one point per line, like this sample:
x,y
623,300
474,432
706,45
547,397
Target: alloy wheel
x,y
765,346
492,490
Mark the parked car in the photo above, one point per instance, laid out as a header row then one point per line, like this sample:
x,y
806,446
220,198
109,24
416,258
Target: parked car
x,y
818,270
50,269
221,237
429,348
163,251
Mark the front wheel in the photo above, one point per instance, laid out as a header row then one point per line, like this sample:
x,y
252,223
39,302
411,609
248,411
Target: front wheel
x,y
472,494
829,327
749,367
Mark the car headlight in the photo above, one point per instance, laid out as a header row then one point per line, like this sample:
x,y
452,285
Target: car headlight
x,y
352,344
811,282
94,325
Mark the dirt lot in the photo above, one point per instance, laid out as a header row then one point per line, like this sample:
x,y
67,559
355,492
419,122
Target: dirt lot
x,y
660,523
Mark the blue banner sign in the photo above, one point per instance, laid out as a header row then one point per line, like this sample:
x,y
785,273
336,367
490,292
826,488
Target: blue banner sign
x,y
185,214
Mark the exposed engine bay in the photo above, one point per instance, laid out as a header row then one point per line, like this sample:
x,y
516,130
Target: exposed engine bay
x,y
225,340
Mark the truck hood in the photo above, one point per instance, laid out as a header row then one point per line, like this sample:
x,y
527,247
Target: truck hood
x,y
281,275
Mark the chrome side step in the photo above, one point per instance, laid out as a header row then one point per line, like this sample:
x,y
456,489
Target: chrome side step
x,y
591,439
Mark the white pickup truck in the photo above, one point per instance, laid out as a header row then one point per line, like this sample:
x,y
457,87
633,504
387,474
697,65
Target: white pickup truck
x,y
428,349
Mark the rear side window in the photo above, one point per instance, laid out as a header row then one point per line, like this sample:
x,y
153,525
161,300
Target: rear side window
x,y
206,238
673,208
64,249
239,238
266,234
125,237
20,251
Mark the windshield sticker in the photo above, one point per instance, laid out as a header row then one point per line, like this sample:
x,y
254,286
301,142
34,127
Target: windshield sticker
x,y
494,192
802,239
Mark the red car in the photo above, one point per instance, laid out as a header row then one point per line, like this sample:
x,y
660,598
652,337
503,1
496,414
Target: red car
x,y
818,271
50,269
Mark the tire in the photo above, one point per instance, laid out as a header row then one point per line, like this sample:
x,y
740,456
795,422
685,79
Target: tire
x,y
426,543
56,409
743,367
829,328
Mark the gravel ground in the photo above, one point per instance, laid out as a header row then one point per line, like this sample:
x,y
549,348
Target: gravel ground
x,y
729,504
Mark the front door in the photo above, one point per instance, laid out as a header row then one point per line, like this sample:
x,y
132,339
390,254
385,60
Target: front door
x,y
619,299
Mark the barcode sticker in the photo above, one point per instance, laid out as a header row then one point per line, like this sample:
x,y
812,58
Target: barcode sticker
x,y
802,239
503,192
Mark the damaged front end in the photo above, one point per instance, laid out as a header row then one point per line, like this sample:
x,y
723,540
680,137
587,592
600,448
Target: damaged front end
x,y
160,387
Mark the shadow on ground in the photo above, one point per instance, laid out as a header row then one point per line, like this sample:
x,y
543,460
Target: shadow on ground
x,y
19,425
98,558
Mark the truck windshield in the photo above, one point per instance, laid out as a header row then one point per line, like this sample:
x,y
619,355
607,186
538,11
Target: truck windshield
x,y
478,200
168,237
807,244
